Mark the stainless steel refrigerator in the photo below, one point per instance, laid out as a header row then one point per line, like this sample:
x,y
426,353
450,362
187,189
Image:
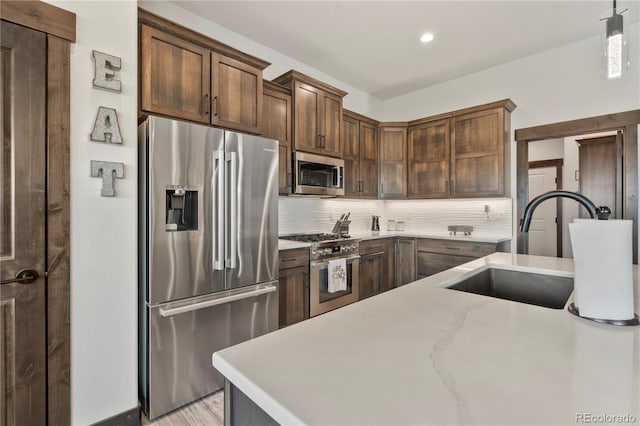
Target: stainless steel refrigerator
x,y
208,250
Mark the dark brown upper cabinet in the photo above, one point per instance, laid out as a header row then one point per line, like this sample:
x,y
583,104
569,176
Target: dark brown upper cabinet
x,y
460,154
277,125
188,76
392,160
428,159
317,114
174,76
236,90
360,155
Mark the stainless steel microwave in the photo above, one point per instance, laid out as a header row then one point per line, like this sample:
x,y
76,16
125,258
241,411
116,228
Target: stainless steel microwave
x,y
317,175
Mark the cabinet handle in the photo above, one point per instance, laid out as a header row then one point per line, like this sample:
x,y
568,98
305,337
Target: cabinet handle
x,y
319,141
382,188
206,103
289,179
452,248
446,186
324,142
215,106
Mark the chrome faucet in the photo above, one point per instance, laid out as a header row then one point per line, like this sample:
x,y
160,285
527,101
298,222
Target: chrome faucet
x,y
601,212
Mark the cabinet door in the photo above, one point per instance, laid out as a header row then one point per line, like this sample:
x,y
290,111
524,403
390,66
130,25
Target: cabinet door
x,y
350,155
477,154
237,95
390,266
393,162
276,124
293,295
306,116
432,263
368,170
331,121
371,274
406,261
428,158
174,76
601,173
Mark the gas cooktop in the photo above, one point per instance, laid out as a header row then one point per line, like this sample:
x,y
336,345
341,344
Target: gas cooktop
x,y
314,238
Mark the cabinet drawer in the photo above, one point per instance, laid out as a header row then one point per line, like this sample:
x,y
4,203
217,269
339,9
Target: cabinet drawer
x,y
373,246
432,263
461,248
294,258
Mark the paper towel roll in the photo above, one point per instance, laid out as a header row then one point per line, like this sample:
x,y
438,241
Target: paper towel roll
x,y
603,259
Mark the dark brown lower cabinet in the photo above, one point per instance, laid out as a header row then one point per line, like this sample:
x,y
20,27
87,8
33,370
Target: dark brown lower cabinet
x,y
293,291
371,274
377,267
436,255
405,261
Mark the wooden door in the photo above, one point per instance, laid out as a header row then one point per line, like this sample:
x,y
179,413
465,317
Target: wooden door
x,y
293,295
350,155
393,162
405,261
600,173
236,90
543,238
368,170
331,120
22,226
276,124
428,158
477,154
306,116
174,76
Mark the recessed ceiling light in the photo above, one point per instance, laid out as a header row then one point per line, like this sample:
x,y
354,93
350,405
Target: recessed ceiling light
x,y
426,38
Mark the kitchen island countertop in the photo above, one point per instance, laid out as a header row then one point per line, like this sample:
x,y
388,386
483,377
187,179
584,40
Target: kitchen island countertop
x,y
424,354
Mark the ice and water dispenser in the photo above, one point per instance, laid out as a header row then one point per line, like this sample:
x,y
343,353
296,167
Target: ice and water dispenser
x,y
181,209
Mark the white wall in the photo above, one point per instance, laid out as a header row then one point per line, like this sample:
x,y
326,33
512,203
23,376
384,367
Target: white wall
x,y
546,150
103,230
356,100
557,85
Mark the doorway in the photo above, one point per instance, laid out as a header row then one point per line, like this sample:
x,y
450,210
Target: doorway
x,y
545,237
626,192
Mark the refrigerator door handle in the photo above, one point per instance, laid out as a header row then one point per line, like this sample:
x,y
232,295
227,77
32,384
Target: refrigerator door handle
x,y
217,217
233,210
217,301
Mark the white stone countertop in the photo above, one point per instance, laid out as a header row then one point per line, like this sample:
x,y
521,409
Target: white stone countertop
x,y
424,354
369,235
289,245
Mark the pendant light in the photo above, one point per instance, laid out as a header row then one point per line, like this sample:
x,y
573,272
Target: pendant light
x,y
615,50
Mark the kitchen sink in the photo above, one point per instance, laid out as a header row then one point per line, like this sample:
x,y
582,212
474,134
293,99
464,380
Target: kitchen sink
x,y
549,291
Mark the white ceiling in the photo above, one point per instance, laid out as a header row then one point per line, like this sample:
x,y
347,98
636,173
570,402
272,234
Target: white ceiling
x,y
374,45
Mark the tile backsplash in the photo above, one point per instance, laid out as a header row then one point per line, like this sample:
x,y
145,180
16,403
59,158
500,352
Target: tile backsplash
x,y
488,216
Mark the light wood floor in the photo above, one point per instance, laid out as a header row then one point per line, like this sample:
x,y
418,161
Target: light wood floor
x,y
207,411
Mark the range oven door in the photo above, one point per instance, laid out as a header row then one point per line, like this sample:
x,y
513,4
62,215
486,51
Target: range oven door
x,y
321,300
318,175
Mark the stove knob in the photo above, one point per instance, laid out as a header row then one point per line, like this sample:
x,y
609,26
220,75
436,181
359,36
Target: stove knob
x,y
313,252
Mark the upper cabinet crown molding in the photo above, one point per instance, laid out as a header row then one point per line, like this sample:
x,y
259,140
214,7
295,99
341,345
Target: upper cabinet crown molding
x,y
286,79
507,104
153,20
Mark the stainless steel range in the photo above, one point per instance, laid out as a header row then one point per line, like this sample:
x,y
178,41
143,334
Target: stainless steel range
x,y
325,250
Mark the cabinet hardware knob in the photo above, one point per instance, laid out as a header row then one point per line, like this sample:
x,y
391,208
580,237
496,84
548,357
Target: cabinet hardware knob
x,y
215,106
206,104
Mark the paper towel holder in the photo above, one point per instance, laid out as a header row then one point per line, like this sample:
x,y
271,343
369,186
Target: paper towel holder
x,y
573,309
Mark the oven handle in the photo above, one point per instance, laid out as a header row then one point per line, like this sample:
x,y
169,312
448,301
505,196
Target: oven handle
x,y
316,263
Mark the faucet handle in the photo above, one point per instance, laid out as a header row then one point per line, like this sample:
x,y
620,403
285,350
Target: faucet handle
x,y
603,212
